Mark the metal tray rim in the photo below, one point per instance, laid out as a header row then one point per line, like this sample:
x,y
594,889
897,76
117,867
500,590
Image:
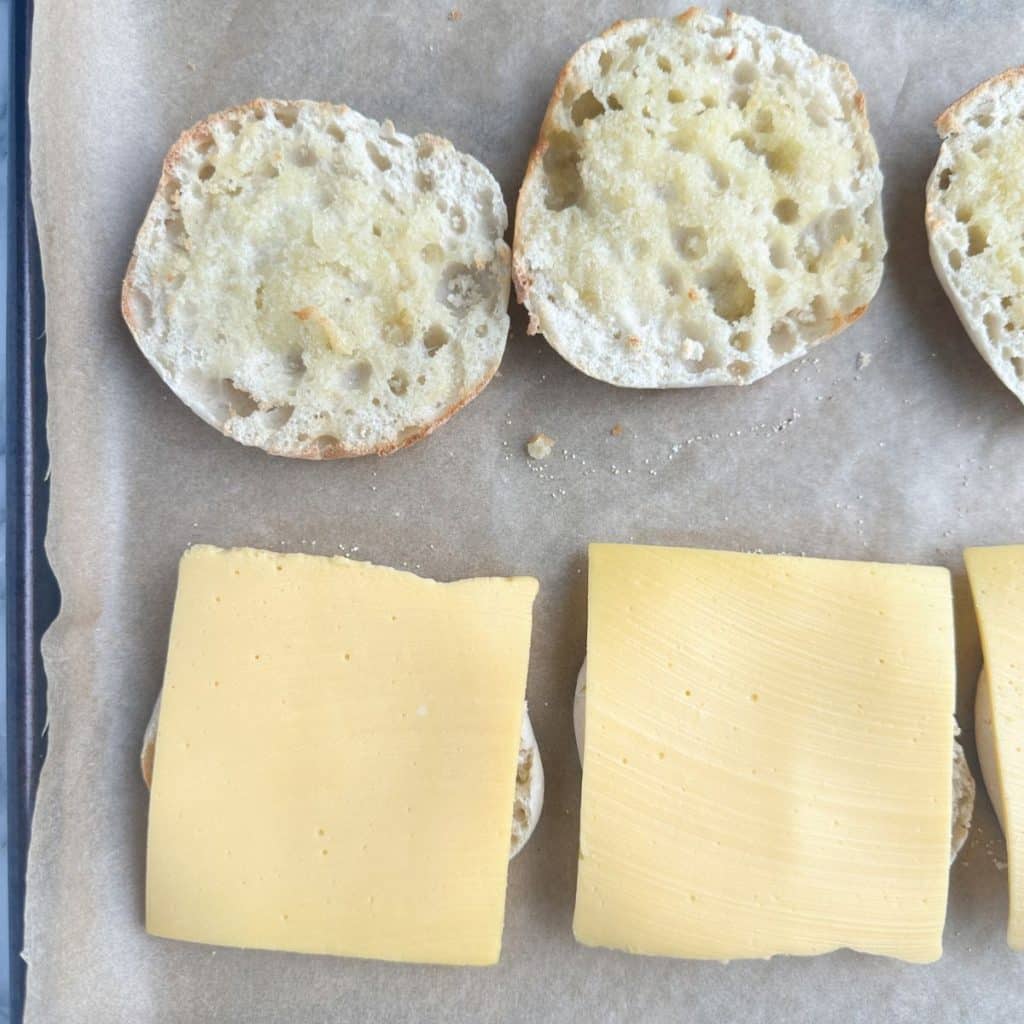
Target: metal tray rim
x,y
32,594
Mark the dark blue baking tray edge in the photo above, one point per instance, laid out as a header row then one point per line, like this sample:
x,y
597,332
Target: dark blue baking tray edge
x,y
32,595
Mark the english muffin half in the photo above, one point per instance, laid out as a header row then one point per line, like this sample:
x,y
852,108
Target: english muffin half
x,y
317,284
702,206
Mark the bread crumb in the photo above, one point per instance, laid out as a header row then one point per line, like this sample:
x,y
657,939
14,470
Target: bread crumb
x,y
455,14
617,430
863,360
190,66
539,446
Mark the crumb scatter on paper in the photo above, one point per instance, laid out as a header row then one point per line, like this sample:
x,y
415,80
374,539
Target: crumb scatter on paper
x,y
540,446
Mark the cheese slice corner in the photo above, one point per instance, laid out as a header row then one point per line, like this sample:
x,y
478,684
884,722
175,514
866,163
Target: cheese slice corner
x,y
767,760
336,758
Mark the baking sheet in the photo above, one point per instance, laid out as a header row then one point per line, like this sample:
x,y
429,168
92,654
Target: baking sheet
x,y
908,458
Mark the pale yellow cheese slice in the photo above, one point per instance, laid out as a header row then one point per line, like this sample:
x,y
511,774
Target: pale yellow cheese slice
x,y
997,584
336,758
766,765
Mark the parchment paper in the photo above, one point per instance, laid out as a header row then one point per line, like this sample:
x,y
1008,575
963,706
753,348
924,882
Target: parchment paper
x,y
906,459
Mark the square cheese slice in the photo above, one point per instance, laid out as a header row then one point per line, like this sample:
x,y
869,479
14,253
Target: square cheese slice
x,y
768,752
996,576
336,758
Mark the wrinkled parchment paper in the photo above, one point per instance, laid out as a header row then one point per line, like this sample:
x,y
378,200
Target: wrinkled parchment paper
x,y
907,458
